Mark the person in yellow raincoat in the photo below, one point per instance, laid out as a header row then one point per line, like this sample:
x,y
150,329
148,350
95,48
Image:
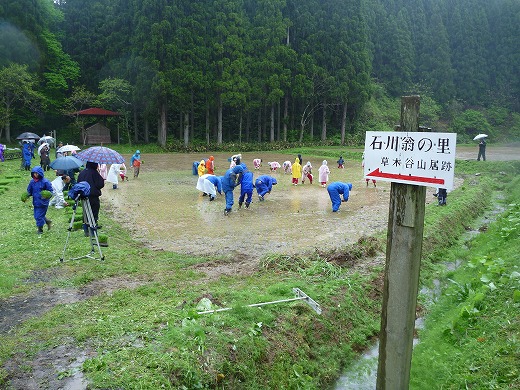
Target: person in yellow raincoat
x,y
296,171
202,168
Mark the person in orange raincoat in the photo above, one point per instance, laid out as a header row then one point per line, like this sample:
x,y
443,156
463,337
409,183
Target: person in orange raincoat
x,y
210,165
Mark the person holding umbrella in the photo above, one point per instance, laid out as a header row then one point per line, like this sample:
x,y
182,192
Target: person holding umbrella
x,y
27,155
91,175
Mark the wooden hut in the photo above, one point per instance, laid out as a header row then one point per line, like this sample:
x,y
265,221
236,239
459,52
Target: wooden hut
x,y
96,134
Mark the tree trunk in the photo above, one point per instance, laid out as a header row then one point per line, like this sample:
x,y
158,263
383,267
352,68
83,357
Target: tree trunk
x,y
207,125
240,127
285,115
278,121
186,129
136,128
324,123
343,123
192,116
163,126
311,132
248,125
146,131
271,134
219,134
8,130
259,124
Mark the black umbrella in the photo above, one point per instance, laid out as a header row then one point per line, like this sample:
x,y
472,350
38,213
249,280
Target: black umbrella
x,y
28,135
66,163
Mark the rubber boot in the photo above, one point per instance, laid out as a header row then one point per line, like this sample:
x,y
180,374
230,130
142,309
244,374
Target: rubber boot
x,y
48,222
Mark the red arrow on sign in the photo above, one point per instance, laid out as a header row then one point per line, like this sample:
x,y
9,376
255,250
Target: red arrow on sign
x,y
398,176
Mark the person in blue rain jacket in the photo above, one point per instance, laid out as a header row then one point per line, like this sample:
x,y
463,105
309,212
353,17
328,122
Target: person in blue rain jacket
x,y
38,184
231,179
246,187
26,156
338,192
264,184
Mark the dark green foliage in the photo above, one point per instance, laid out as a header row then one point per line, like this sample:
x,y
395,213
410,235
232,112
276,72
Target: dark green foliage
x,y
260,71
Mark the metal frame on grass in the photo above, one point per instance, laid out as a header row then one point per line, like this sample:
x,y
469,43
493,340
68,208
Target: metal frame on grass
x,y
88,219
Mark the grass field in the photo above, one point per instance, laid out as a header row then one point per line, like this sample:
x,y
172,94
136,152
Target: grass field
x,y
131,321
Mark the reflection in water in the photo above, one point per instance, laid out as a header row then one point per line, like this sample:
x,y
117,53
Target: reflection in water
x,y
362,375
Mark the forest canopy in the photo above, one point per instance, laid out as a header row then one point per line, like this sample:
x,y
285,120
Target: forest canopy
x,y
259,70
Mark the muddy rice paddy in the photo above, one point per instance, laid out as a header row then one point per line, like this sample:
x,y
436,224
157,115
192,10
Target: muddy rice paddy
x,y
164,210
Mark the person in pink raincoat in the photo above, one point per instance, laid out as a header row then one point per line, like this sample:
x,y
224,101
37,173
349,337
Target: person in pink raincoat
x,y
103,171
307,172
257,163
273,165
324,173
287,166
363,166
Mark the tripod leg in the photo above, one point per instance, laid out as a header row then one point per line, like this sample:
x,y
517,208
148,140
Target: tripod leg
x,y
69,229
91,222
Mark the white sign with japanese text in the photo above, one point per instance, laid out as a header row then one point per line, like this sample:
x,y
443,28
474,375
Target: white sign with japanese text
x,y
426,159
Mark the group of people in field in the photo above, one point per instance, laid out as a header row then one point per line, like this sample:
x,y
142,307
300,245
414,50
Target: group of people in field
x,y
45,193
239,174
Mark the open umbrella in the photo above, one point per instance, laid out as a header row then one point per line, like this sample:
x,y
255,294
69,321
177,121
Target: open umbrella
x,y
68,148
28,135
101,155
45,144
66,163
48,139
480,136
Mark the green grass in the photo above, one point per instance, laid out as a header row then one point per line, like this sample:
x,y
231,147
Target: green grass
x,y
145,332
471,337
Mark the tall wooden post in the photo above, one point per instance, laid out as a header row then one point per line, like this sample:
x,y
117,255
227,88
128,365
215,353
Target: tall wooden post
x,y
403,258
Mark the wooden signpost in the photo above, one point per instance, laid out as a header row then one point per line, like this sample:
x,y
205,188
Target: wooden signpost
x,y
404,243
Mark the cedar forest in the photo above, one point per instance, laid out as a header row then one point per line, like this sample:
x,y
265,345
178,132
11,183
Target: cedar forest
x,y
272,71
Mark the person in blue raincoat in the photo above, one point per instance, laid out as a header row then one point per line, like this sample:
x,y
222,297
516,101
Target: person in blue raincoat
x,y
27,155
231,179
38,184
338,192
246,187
264,185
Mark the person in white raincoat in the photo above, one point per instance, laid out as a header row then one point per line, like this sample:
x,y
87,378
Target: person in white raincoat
x,y
58,184
209,185
113,175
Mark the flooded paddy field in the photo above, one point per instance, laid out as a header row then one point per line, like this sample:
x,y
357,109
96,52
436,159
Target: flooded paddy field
x,y
164,210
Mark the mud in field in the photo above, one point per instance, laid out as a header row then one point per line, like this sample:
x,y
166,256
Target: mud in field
x,y
164,210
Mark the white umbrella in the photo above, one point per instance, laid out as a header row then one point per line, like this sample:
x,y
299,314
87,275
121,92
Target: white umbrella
x,y
48,139
68,148
480,136
45,144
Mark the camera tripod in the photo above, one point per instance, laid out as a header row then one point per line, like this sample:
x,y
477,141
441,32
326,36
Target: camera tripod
x,y
88,219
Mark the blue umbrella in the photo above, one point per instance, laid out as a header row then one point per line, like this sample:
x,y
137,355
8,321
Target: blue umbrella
x,y
100,155
66,163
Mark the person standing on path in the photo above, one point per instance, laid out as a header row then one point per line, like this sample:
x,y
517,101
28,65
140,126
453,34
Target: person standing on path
x,y
482,150
210,165
135,162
